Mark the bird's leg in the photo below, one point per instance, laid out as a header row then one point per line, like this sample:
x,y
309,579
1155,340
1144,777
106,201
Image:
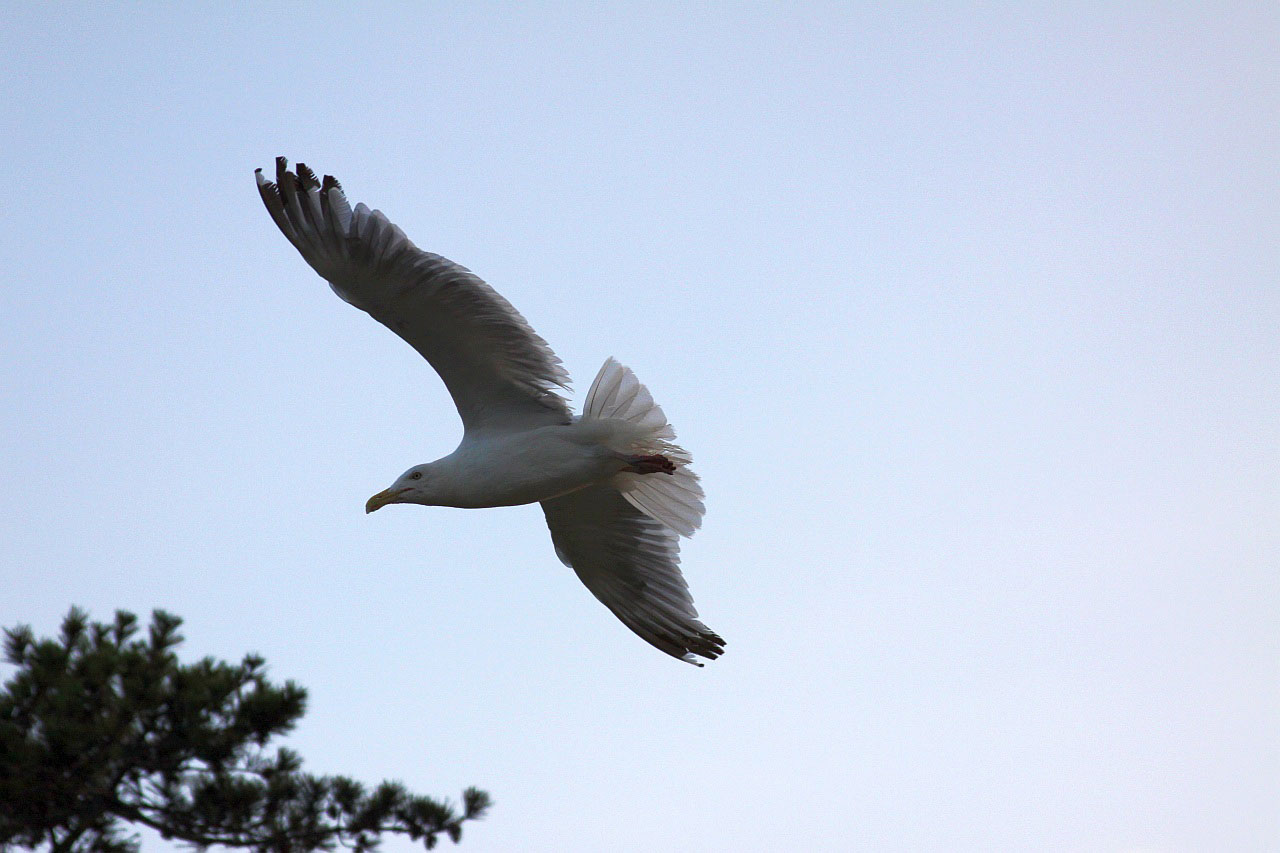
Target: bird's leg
x,y
652,464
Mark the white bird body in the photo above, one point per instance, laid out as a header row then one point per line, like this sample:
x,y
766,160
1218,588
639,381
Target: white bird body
x,y
616,491
514,467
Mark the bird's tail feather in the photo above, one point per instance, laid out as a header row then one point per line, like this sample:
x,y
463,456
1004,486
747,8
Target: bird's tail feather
x,y
674,499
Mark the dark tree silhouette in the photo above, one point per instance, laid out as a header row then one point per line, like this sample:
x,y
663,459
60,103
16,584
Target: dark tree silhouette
x,y
100,729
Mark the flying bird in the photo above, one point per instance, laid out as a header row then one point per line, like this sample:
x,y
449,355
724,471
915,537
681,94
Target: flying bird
x,y
616,490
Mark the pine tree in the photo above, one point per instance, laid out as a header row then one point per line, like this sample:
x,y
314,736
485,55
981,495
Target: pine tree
x,y
100,729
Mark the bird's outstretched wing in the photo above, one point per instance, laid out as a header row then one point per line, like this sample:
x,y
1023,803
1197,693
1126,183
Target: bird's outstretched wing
x,y
495,366
632,564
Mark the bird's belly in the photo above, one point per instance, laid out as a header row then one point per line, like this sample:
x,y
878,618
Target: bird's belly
x,y
531,471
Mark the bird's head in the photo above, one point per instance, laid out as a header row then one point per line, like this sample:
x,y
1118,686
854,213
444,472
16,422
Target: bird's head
x,y
412,487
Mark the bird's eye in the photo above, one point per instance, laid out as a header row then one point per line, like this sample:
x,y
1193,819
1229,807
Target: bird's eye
x,y
416,475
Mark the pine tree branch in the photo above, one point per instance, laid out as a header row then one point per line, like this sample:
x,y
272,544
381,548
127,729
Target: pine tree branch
x,y
69,840
100,729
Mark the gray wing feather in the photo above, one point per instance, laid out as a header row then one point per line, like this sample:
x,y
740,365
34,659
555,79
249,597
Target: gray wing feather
x,y
497,369
631,563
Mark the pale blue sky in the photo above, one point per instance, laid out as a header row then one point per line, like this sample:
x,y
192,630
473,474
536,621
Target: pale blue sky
x,y
969,315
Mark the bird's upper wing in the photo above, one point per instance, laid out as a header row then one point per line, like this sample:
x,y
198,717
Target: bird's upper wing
x,y
499,372
632,564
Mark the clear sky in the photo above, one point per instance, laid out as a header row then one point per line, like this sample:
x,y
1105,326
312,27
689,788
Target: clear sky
x,y
970,316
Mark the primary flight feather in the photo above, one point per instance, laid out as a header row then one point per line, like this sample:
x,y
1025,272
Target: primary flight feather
x,y
616,490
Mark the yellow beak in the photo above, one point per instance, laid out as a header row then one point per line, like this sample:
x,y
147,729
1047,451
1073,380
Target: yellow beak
x,y
381,499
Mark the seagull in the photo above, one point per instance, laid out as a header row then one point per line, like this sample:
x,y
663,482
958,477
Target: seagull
x,y
616,490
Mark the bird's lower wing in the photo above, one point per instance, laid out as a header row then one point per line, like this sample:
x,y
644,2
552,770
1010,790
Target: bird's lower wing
x,y
632,564
498,370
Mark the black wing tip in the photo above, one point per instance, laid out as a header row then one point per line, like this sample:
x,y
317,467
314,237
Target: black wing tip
x,y
707,644
302,177
284,177
267,189
307,177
